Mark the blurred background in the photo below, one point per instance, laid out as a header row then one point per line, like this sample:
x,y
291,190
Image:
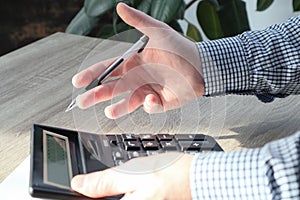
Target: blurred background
x,y
278,11
23,22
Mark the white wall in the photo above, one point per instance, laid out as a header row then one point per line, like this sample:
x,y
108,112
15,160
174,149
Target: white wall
x,y
278,12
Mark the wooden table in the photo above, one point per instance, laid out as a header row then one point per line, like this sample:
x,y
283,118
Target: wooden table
x,y
36,88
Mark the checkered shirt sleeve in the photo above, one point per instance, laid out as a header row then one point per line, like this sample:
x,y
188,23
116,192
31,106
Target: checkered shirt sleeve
x,y
270,172
264,63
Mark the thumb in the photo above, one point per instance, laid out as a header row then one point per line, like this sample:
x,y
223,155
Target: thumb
x,y
102,183
139,19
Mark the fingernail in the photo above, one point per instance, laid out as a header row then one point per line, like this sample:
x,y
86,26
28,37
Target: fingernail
x,y
109,112
83,101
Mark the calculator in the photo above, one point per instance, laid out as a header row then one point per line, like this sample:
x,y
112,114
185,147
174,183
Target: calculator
x,y
58,154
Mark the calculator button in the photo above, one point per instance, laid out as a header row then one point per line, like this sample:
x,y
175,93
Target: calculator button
x,y
169,145
207,147
119,155
192,145
112,139
119,162
129,137
132,146
165,137
190,137
147,137
199,137
150,145
135,154
150,153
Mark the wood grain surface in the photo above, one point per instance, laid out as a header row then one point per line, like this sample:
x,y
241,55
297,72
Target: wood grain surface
x,y
36,88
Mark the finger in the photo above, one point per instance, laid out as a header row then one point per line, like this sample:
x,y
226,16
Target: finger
x,y
138,19
121,108
126,105
101,93
103,183
86,76
153,104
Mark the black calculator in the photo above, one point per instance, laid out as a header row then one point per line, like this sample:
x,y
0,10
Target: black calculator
x,y
59,154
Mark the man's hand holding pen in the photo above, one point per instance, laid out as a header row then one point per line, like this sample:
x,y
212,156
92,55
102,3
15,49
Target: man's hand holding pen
x,y
166,75
136,48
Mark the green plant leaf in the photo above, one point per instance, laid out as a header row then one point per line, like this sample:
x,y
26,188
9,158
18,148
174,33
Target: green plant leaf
x,y
176,26
106,31
181,12
262,5
95,8
166,10
215,3
81,24
135,3
233,17
193,33
296,5
115,22
122,27
145,6
209,20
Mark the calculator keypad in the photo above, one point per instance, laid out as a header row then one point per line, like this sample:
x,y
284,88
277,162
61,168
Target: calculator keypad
x,y
128,146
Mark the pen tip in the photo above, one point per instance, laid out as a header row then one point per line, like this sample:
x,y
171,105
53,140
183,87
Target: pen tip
x,y
71,106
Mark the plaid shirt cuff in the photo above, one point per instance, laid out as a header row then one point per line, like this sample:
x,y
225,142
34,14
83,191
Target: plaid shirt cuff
x,y
262,63
224,66
271,172
229,176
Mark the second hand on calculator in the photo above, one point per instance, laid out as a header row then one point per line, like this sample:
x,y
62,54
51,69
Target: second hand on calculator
x,y
135,48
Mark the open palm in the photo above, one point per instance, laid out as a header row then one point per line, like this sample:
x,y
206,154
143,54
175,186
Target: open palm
x,y
166,75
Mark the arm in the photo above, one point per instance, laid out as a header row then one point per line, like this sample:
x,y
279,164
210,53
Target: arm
x,y
265,63
271,172
163,182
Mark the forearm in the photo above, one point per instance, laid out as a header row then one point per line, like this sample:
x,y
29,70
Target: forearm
x,y
271,172
265,63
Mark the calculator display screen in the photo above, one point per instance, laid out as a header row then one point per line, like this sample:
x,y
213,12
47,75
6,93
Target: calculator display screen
x,y
57,169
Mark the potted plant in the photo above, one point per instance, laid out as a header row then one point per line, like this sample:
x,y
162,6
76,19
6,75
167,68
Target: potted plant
x,y
217,18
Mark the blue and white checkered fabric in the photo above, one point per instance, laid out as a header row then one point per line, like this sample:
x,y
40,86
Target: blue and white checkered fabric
x,y
266,64
271,172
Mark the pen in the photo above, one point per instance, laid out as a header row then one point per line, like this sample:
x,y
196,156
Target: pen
x,y
135,48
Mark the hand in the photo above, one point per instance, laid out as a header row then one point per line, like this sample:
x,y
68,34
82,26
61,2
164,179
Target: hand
x,y
166,75
164,176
